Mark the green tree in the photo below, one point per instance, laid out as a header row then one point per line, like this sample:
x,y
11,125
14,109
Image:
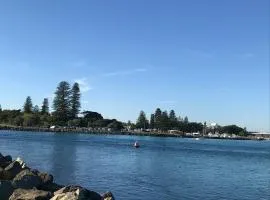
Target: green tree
x,y
233,129
164,120
45,120
115,125
172,115
75,100
18,121
173,119
142,121
45,106
0,108
28,106
91,116
36,109
186,119
152,121
158,118
61,103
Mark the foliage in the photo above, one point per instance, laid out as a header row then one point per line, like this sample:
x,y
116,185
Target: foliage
x,y
233,129
28,106
75,101
61,103
152,121
115,125
36,109
142,121
92,116
45,106
172,116
157,118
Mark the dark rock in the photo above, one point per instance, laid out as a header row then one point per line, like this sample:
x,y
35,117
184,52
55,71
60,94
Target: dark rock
x,y
8,158
75,193
5,161
32,194
35,171
46,178
26,180
6,190
11,171
51,187
108,196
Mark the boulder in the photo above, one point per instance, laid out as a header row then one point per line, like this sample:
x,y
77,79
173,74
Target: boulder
x,y
26,180
51,187
35,171
45,178
11,171
32,194
5,161
8,158
22,163
108,196
6,190
75,193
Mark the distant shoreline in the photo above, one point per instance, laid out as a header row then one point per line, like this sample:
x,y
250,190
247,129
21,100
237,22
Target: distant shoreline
x,y
132,133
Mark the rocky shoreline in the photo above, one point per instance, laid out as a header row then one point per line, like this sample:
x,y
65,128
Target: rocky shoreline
x,y
19,182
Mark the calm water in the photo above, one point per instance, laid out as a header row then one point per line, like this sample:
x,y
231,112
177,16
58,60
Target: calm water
x,y
163,168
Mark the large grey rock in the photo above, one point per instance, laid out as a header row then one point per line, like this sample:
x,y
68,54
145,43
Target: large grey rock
x,y
11,171
32,194
108,196
75,193
26,180
6,190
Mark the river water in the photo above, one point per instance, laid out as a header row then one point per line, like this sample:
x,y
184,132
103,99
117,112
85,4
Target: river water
x,y
163,168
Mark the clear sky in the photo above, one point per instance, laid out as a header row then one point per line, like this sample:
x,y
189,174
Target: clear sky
x,y
206,59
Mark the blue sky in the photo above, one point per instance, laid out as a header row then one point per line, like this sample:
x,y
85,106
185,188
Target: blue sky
x,y
206,59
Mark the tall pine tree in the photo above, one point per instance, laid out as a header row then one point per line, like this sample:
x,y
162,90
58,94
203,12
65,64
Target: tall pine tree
x,y
152,121
172,116
75,100
61,103
45,106
142,122
164,120
28,105
158,118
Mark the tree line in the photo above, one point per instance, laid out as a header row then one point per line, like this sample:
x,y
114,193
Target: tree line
x,y
65,109
162,121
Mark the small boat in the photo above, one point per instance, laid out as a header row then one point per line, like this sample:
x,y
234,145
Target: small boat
x,y
136,145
